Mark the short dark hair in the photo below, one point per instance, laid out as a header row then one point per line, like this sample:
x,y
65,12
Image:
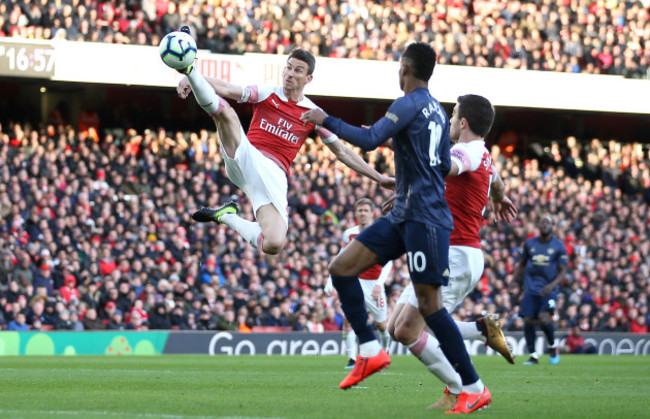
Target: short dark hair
x,y
306,56
421,59
478,112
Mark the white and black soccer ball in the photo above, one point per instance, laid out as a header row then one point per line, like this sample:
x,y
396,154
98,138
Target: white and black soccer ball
x,y
177,50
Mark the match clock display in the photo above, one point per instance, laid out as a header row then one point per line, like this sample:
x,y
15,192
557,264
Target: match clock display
x,y
26,60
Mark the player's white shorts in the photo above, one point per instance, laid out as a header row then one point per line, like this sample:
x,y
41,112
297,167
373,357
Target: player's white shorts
x,y
465,270
378,308
261,179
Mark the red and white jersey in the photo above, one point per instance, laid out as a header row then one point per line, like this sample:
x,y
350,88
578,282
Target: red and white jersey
x,y
276,129
468,193
374,272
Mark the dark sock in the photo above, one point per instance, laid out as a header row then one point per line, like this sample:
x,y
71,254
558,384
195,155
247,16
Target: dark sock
x,y
529,334
549,331
353,304
452,345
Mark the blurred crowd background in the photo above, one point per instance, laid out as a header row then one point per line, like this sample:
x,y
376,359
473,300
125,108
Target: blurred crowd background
x,y
96,233
576,36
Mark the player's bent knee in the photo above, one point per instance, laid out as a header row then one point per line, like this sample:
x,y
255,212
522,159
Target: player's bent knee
x,y
335,268
272,246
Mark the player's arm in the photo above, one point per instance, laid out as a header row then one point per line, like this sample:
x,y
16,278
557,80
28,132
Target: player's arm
x,y
504,208
381,281
548,288
222,88
400,113
351,159
518,272
561,272
462,160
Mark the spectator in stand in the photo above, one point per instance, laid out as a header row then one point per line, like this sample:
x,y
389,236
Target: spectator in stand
x,y
19,324
91,321
314,324
135,321
639,324
69,291
63,321
331,323
206,321
116,321
44,278
77,325
575,343
228,322
301,323
159,318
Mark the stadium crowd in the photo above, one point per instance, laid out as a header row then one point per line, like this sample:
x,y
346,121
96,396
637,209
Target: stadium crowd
x,y
96,233
603,37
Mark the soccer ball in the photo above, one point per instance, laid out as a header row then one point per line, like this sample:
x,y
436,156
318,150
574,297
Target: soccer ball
x,y
177,50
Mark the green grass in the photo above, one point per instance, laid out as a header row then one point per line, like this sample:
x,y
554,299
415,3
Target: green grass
x,y
307,387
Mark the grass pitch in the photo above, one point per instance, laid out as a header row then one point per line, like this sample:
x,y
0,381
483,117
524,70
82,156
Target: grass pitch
x,y
307,387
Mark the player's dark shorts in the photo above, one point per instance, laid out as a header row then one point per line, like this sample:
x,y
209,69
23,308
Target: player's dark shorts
x,y
426,247
531,305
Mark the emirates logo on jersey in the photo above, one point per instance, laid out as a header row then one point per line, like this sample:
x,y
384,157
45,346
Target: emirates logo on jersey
x,y
281,130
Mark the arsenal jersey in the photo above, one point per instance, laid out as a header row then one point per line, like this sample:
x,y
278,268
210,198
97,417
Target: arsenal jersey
x,y
468,193
276,129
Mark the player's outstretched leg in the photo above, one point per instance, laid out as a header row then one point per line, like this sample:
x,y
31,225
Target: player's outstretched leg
x,y
206,215
494,336
187,70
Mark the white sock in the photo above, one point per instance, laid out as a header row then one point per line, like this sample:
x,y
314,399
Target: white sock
x,y
249,230
350,339
477,387
469,331
534,355
385,340
371,348
427,350
205,95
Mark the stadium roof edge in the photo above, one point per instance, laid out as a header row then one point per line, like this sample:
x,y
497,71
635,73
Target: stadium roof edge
x,y
140,65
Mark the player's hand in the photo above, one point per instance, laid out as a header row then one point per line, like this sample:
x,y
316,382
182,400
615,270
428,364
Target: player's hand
x,y
329,286
184,89
387,182
376,293
315,116
504,210
388,205
546,290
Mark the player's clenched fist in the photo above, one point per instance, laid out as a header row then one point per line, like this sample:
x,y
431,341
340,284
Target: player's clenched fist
x,y
184,89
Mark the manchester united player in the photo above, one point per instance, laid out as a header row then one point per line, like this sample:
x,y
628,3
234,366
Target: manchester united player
x,y
419,224
372,283
471,182
259,162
